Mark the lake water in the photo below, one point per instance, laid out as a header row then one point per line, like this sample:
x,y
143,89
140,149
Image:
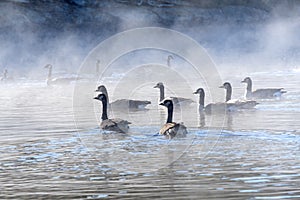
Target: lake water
x,y
47,153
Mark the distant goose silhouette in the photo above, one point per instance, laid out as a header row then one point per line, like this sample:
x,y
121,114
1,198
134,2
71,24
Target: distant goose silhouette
x,y
171,129
267,93
240,104
124,103
220,107
5,78
117,125
57,81
175,100
170,57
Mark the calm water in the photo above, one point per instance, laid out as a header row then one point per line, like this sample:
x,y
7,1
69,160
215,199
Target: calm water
x,y
46,153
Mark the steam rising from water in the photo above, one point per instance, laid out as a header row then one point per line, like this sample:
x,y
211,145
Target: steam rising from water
x,y
34,35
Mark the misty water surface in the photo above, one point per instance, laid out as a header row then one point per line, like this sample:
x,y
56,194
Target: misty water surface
x,y
45,153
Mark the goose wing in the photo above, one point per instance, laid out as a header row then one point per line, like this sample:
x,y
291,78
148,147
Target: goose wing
x,y
129,103
178,100
117,125
166,127
173,129
268,93
242,104
216,107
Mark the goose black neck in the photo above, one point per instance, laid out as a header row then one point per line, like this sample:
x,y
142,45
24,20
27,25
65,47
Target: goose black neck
x,y
106,95
170,113
249,85
228,93
162,93
201,100
104,109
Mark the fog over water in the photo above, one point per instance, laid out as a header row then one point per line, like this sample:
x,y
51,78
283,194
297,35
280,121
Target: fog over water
x,y
51,146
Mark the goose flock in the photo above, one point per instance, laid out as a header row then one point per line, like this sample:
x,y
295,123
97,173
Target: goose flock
x,y
171,129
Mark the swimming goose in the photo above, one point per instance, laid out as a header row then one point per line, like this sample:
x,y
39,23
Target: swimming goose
x,y
170,57
117,125
171,129
123,103
267,93
57,81
175,100
240,104
213,107
5,78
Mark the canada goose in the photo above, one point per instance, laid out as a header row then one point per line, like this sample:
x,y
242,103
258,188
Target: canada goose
x,y
6,78
57,81
213,107
123,103
241,104
171,129
170,57
117,125
175,100
267,93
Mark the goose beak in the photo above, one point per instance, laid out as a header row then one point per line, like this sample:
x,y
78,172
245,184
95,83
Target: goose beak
x,y
161,104
195,92
155,86
222,86
243,81
97,90
96,98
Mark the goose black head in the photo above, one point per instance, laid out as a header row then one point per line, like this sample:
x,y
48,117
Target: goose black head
x,y
101,88
246,80
48,66
159,85
101,97
226,85
167,103
170,57
199,91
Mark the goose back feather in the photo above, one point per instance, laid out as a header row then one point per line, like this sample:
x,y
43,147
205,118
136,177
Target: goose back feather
x,y
171,129
124,103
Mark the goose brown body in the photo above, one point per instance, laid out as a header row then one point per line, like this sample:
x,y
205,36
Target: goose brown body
x,y
171,129
124,103
117,125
